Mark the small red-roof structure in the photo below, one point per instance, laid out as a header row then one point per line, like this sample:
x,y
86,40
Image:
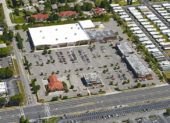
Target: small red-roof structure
x,y
66,13
98,11
39,17
54,84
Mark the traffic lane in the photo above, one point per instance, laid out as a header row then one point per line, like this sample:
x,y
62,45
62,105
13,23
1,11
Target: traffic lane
x,y
9,113
120,111
67,103
122,97
10,119
35,108
110,103
35,115
23,77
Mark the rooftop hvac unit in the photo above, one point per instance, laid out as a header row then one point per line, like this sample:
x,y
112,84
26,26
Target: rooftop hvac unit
x,y
75,33
56,29
40,30
65,37
43,37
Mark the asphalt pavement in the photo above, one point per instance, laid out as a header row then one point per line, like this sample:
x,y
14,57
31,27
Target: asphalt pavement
x,y
115,112
35,112
23,76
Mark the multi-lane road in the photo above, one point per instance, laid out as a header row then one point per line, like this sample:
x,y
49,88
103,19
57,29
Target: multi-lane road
x,y
115,112
23,75
84,104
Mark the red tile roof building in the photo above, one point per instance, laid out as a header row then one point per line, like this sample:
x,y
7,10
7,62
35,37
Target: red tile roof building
x,y
39,17
67,13
54,84
98,11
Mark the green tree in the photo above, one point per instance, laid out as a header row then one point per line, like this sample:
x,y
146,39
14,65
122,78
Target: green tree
x,y
111,83
77,8
10,3
44,51
53,1
22,119
31,20
4,52
17,3
2,101
35,88
65,87
65,97
72,87
19,40
28,13
16,11
11,35
26,121
6,72
15,100
98,3
55,98
104,4
168,111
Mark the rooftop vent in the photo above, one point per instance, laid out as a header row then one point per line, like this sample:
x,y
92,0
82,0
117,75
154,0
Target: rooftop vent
x,y
43,37
65,37
71,27
40,30
56,39
75,33
56,29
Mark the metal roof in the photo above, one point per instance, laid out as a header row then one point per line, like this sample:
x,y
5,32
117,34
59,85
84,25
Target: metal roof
x,y
137,65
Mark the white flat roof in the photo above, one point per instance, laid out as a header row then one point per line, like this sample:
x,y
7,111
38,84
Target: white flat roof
x,y
114,5
153,50
3,87
58,34
86,24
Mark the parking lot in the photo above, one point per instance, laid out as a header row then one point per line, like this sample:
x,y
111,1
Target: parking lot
x,y
99,58
12,88
69,64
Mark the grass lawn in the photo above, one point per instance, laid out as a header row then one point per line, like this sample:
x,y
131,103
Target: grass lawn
x,y
121,3
21,90
167,52
15,67
2,17
124,3
52,120
167,73
18,19
157,1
